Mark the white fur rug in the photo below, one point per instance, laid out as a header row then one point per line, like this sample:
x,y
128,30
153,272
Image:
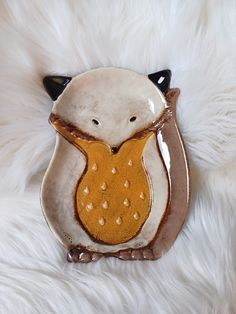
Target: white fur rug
x,y
197,41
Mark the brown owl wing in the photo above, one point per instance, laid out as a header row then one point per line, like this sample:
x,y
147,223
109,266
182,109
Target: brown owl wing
x,y
179,182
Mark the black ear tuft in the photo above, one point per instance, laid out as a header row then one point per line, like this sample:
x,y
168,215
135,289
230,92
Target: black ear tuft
x,y
161,79
55,85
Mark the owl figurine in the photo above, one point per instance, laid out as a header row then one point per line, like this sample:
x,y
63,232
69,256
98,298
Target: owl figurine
x,y
118,181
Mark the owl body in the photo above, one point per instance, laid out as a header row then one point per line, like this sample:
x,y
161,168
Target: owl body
x,y
113,197
108,187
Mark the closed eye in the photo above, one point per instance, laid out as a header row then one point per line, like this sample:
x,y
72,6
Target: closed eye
x,y
133,118
95,121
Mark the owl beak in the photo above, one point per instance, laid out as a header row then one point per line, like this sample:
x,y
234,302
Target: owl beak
x,y
114,149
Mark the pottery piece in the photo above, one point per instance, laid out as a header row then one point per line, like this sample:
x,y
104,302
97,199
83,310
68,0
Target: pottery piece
x,y
118,182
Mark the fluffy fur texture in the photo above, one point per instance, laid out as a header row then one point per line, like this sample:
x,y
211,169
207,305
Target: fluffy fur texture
x,y
197,41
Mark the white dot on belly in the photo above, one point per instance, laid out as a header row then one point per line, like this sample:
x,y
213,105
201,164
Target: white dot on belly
x,y
142,196
136,215
119,221
126,184
114,170
104,186
94,167
105,205
86,190
126,202
101,221
89,207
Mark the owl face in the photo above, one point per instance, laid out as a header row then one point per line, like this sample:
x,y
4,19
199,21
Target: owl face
x,y
110,104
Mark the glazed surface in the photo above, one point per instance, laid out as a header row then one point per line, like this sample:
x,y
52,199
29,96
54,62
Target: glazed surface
x,y
112,106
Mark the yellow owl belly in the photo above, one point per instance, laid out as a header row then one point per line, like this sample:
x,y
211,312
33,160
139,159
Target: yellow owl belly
x,y
113,197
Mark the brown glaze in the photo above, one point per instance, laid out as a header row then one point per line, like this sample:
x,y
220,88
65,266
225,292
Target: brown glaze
x,y
58,123
178,204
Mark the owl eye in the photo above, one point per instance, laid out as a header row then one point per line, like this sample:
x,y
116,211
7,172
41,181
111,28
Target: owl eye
x,y
95,121
133,118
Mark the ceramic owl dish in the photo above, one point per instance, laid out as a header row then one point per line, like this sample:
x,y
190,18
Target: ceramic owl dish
x,y
118,182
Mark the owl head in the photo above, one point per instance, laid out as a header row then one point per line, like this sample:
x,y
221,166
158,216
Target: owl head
x,y
110,104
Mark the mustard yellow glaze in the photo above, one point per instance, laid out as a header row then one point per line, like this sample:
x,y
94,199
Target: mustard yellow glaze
x,y
113,196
